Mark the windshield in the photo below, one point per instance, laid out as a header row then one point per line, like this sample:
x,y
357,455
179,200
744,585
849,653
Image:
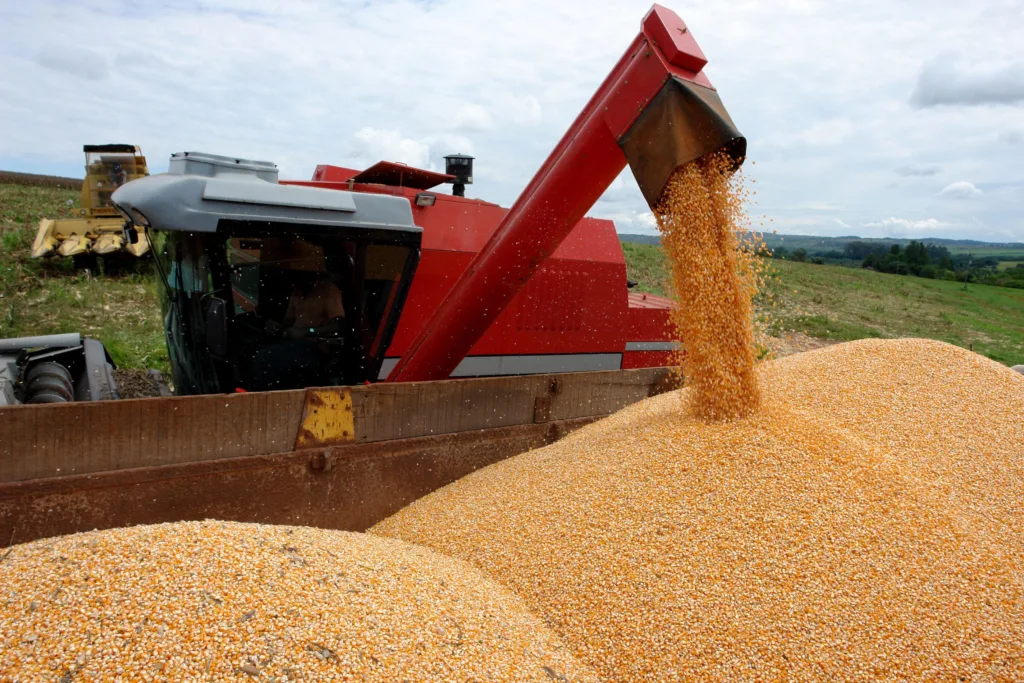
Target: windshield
x,y
183,269
104,173
302,309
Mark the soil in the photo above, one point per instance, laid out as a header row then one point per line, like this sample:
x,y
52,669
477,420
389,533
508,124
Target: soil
x,y
132,383
797,342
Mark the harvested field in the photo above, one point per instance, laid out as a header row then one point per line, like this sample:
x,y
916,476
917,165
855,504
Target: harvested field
x,y
225,601
36,180
132,383
865,523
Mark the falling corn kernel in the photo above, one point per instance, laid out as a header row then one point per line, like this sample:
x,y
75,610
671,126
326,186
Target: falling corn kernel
x,y
713,280
864,524
222,601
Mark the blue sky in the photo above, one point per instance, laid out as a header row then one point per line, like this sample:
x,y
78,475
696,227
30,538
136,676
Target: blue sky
x,y
875,117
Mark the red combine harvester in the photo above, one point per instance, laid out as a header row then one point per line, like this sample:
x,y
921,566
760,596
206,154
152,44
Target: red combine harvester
x,y
323,288
244,259
575,314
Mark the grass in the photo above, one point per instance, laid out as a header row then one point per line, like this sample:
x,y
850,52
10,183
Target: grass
x,y
122,311
832,302
646,266
1006,265
52,296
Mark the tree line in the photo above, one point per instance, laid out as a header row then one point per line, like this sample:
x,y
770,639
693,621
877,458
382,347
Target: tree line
x,y
918,259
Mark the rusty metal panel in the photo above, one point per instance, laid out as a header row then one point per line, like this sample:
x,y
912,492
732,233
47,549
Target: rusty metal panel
x,y
405,410
399,411
83,438
601,393
343,487
80,438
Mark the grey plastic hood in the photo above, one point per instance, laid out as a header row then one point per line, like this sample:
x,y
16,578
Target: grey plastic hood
x,y
200,190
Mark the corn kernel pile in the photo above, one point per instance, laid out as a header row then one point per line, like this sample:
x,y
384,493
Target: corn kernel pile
x,y
866,523
699,215
216,601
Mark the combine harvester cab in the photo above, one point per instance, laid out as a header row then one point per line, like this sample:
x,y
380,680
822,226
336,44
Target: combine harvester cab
x,y
239,254
100,230
268,286
406,285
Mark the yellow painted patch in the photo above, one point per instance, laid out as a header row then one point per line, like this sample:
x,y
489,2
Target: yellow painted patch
x,y
326,419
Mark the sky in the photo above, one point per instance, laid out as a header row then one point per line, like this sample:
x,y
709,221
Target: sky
x,y
883,118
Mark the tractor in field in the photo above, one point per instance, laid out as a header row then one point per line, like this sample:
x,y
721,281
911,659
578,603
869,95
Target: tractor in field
x,y
99,229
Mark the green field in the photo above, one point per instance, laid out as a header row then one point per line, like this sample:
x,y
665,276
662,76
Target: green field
x,y
1009,251
47,297
832,302
980,252
1006,265
50,296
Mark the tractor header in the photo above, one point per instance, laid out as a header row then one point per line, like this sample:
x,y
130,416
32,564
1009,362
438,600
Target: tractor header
x,y
656,111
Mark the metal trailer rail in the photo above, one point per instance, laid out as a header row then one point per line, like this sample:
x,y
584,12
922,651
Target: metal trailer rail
x,y
340,458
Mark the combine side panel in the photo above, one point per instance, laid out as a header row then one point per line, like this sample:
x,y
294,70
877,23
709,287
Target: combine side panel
x,y
647,342
571,317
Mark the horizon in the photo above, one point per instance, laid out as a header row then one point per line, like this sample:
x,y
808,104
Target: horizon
x,y
923,240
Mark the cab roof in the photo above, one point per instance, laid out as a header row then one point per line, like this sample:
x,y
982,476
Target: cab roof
x,y
200,190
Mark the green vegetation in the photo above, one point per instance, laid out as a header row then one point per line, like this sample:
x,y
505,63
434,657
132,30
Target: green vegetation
x,y
927,260
646,266
51,296
122,310
832,302
1001,253
816,244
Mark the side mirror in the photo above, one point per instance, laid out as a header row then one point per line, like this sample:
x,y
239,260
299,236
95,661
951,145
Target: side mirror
x,y
217,328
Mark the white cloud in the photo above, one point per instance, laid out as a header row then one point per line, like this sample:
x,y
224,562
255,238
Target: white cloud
x,y
841,224
647,218
961,190
372,144
523,110
918,170
632,223
350,82
472,118
1012,137
896,227
825,133
75,61
947,80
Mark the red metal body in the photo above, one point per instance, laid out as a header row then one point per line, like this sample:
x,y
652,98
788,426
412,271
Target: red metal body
x,y
575,314
542,221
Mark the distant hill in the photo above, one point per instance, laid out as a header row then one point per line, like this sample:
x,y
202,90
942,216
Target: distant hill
x,y
640,239
818,244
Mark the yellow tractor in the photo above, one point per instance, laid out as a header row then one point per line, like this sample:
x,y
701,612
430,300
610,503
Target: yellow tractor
x,y
99,232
